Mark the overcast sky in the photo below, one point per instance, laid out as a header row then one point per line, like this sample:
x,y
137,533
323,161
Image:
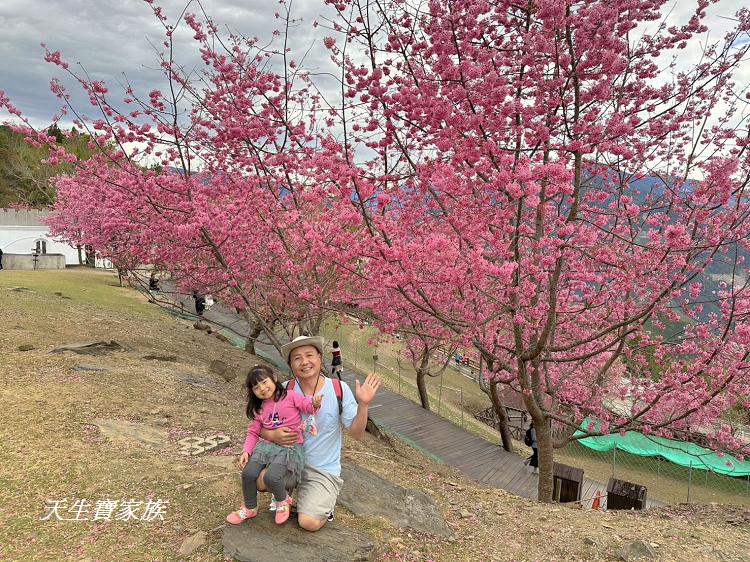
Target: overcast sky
x,y
111,37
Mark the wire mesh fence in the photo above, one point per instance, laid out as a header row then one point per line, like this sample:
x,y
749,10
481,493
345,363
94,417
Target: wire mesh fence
x,y
451,395
666,482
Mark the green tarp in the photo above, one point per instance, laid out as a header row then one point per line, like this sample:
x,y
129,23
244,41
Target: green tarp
x,y
678,452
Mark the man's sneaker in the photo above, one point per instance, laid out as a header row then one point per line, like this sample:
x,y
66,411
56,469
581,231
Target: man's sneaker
x,y
331,515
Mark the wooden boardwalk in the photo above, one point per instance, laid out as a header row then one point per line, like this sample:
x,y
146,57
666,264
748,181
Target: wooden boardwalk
x,y
446,442
433,435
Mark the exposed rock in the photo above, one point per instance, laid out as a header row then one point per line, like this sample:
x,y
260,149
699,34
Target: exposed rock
x,y
133,432
169,358
85,368
221,337
229,376
192,543
366,493
636,550
92,348
590,541
202,326
195,380
26,347
261,540
722,556
218,367
466,514
373,429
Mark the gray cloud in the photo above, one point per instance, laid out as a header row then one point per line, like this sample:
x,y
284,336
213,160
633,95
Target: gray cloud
x,y
110,38
113,39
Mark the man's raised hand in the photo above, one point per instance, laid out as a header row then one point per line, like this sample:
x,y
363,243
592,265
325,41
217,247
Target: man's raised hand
x,y
365,392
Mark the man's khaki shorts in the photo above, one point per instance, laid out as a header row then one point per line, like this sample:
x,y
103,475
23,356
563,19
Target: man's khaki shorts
x,y
317,492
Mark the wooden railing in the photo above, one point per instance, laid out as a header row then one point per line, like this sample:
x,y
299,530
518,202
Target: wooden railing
x,y
518,420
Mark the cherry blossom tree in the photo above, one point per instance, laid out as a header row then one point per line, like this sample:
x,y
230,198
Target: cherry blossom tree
x,y
228,209
580,196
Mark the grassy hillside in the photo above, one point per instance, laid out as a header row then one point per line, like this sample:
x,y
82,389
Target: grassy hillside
x,y
53,447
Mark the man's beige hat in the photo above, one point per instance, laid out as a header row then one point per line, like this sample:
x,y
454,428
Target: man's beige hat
x,y
299,341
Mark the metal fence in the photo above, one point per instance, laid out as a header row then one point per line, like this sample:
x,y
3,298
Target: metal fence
x,y
666,482
450,401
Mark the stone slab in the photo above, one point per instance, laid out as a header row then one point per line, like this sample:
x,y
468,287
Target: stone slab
x,y
133,432
365,493
92,348
261,540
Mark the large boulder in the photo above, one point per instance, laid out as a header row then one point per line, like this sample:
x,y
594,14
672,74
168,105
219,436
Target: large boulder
x,y
366,494
261,540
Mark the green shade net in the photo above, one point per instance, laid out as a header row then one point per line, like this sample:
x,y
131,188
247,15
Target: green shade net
x,y
678,452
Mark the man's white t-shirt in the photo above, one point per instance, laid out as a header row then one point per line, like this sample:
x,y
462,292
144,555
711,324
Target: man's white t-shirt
x,y
323,451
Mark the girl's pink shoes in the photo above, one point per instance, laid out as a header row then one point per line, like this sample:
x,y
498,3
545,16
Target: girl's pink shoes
x,y
237,517
243,514
282,510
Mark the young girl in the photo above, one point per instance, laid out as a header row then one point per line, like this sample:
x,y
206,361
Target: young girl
x,y
270,406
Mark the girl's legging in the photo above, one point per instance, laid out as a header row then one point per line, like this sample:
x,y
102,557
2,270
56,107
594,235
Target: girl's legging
x,y
274,478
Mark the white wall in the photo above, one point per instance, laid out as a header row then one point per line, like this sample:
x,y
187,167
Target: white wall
x,y
22,240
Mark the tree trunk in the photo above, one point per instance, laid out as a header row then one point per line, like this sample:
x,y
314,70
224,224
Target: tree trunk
x,y
502,416
252,337
422,388
546,459
375,430
316,323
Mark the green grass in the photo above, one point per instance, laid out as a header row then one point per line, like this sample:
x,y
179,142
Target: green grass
x,y
92,288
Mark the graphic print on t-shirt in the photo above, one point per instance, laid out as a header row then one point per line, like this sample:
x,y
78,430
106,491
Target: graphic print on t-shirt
x,y
274,420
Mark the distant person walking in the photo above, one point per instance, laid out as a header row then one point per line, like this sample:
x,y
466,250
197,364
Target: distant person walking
x,y
200,303
153,282
530,440
337,365
153,287
1,258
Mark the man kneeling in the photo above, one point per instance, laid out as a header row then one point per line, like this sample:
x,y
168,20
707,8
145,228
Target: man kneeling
x,y
321,478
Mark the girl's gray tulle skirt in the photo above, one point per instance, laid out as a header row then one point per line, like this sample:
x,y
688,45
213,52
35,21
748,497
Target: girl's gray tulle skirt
x,y
291,457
